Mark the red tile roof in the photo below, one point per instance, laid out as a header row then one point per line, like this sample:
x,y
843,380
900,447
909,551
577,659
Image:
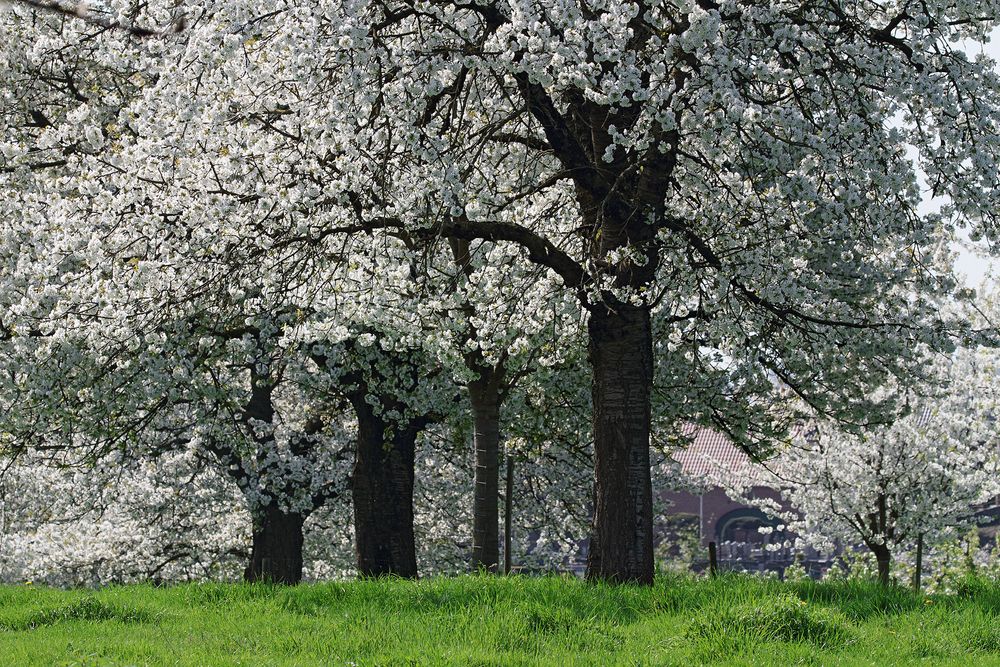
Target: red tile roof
x,y
710,453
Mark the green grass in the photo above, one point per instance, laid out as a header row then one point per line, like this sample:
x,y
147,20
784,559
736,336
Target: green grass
x,y
495,621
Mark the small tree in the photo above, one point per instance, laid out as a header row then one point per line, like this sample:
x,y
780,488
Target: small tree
x,y
889,484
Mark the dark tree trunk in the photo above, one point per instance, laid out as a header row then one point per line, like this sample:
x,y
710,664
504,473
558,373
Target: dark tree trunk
x,y
485,398
621,546
883,559
276,555
382,491
622,206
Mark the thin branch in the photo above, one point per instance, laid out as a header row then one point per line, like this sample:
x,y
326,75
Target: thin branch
x,y
82,11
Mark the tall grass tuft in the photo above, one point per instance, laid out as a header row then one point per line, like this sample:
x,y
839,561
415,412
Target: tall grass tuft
x,y
784,618
88,608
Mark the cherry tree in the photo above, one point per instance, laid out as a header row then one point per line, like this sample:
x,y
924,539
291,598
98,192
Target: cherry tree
x,y
737,176
202,303
118,520
884,487
742,166
102,17
515,323
238,194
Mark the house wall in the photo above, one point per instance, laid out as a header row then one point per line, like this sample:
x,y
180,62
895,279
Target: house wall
x,y
710,507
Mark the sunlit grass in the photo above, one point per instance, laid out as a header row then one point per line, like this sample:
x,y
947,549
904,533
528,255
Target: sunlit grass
x,y
501,621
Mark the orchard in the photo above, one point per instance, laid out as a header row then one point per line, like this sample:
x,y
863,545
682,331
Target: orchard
x,y
330,288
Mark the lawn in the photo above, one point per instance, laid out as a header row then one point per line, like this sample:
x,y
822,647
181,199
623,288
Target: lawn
x,y
495,621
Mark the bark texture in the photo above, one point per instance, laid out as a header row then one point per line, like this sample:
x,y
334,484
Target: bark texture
x,y
485,398
276,555
382,491
883,560
879,531
621,548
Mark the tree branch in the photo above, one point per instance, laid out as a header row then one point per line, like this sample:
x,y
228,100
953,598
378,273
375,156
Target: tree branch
x,y
80,10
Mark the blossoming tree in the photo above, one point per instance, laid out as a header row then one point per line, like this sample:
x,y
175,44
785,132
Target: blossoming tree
x,y
737,175
884,487
743,165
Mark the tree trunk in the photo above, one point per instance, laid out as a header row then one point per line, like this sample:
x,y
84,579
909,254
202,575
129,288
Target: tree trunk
x,y
382,491
485,398
918,570
276,555
884,561
621,544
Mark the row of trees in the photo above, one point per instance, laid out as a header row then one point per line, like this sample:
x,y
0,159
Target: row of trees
x,y
919,482
296,236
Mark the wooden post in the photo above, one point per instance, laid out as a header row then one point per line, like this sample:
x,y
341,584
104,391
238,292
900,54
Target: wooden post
x,y
508,507
920,563
713,560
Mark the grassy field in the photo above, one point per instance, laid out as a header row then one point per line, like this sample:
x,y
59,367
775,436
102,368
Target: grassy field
x,y
494,621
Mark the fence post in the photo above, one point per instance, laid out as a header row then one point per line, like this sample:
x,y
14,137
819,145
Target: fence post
x,y
508,507
920,563
713,560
